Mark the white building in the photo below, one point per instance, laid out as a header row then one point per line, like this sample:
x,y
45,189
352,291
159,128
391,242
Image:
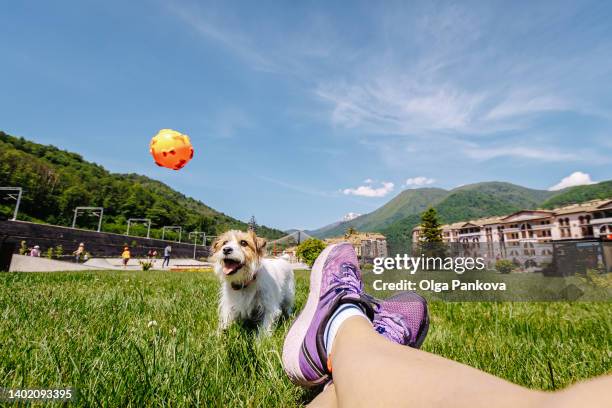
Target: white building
x,y
526,236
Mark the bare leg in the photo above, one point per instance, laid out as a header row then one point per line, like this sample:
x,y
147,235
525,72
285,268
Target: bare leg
x,y
326,399
369,370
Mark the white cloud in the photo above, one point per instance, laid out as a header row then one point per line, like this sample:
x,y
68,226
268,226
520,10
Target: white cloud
x,y
544,154
370,191
368,181
399,105
524,104
464,84
419,181
577,178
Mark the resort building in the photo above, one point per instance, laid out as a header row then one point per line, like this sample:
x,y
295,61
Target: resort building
x,y
526,236
368,245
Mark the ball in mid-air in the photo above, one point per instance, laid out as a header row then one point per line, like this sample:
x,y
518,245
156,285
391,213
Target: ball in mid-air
x,y
171,149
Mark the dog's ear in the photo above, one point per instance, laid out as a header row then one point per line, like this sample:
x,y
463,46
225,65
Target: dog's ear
x,y
261,245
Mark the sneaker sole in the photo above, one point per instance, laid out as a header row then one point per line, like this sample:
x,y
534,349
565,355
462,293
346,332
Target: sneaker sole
x,y
297,332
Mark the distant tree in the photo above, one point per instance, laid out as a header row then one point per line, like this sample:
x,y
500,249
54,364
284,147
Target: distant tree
x,y
350,231
309,250
431,233
253,224
431,227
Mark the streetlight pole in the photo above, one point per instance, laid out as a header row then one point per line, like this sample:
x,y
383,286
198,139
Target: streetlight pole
x,y
19,191
97,211
172,227
147,220
195,235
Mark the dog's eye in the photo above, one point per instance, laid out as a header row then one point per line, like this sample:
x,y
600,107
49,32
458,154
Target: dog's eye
x,y
244,243
224,243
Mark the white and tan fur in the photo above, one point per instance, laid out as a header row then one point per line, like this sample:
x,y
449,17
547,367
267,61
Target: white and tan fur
x,y
266,287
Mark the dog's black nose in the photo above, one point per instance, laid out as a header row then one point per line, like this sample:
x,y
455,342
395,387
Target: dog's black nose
x,y
227,251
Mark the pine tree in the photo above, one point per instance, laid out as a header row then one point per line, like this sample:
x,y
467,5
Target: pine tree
x,y
431,234
350,231
431,228
253,224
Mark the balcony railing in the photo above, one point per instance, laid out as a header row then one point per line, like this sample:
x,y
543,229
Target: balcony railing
x,y
597,221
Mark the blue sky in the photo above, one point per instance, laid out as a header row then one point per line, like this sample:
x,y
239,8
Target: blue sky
x,y
301,112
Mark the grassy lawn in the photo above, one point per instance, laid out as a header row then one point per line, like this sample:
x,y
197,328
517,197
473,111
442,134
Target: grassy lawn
x,y
93,331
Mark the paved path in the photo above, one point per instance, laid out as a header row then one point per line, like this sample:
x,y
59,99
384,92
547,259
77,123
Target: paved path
x,y
22,263
117,263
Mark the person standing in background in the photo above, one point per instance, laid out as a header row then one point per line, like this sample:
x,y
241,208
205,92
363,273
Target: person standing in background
x,y
35,251
125,256
167,252
80,252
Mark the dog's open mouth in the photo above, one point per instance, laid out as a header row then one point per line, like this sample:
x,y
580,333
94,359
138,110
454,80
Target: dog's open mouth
x,y
231,266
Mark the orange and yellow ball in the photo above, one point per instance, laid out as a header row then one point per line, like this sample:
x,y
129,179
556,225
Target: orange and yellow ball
x,y
171,149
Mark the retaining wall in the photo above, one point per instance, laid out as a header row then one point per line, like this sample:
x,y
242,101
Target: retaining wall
x,y
98,244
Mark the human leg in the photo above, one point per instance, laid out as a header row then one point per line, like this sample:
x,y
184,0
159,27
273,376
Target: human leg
x,y
402,376
368,370
325,399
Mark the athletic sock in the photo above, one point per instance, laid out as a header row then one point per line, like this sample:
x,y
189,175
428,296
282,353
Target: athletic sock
x,y
343,312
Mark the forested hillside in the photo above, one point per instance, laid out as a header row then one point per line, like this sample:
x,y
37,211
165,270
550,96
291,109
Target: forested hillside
x,y
406,203
57,181
580,194
491,199
398,217
467,202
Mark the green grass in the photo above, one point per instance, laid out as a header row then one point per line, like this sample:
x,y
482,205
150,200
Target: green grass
x,y
90,330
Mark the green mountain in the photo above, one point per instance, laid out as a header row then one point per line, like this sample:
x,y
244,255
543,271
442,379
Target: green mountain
x,y
56,181
579,194
467,202
398,217
463,202
491,199
509,193
404,204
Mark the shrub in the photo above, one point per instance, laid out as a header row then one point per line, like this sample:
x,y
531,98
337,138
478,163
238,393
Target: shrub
x,y
309,250
58,251
504,266
23,248
146,265
49,253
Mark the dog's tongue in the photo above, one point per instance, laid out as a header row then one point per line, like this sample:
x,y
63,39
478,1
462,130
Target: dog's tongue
x,y
230,266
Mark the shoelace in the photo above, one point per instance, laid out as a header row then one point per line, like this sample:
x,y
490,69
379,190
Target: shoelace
x,y
392,326
346,280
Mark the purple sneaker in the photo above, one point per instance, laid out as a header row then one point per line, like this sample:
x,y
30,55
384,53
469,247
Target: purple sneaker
x,y
402,318
335,279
